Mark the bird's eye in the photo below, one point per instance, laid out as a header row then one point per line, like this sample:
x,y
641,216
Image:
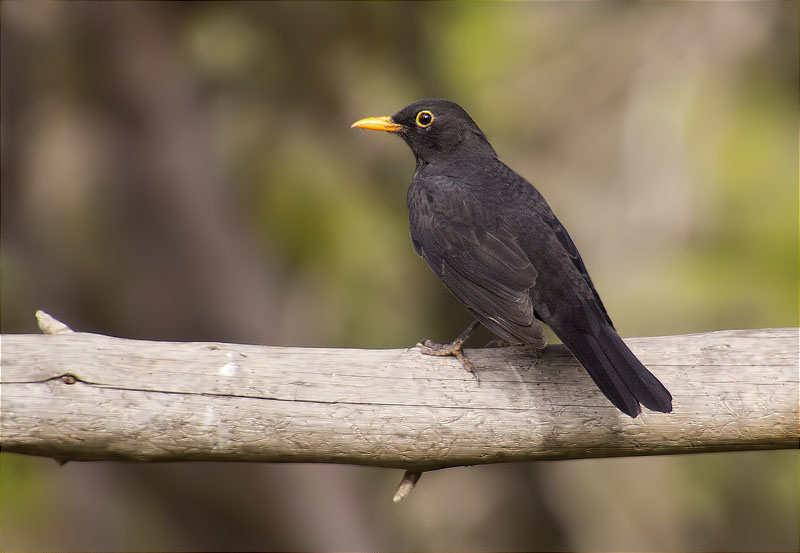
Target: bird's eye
x,y
424,118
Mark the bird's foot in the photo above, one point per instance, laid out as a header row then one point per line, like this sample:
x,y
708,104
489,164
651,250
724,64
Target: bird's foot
x,y
454,348
429,347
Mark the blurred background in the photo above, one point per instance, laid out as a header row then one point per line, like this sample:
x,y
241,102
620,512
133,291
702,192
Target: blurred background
x,y
186,171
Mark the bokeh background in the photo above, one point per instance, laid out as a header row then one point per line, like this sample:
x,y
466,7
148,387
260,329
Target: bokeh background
x,y
186,171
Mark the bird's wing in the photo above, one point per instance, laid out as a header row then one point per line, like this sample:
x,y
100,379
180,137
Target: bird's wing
x,y
530,203
488,272
569,247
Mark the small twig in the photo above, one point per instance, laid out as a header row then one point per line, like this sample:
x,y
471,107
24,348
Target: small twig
x,y
407,484
50,325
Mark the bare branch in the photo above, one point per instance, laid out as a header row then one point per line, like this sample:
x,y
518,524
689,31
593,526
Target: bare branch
x,y
50,325
80,396
407,484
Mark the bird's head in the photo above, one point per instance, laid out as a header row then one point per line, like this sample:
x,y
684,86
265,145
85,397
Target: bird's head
x,y
435,130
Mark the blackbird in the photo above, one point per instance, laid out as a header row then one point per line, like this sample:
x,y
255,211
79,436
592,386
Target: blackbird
x,y
494,242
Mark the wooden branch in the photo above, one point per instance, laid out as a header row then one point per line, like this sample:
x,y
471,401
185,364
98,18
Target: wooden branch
x,y
78,396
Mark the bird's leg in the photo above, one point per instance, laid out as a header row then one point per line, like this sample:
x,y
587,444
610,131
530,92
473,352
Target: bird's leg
x,y
429,347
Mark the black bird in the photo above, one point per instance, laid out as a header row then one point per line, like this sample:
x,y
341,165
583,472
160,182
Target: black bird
x,y
491,238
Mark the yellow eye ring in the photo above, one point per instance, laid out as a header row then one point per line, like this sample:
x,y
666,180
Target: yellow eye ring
x,y
424,118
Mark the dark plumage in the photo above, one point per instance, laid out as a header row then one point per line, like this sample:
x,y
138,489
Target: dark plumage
x,y
491,238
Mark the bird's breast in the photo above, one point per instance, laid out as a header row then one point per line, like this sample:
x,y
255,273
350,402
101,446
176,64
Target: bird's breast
x,y
444,201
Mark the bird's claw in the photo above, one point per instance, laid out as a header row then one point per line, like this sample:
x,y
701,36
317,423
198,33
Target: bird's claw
x,y
429,347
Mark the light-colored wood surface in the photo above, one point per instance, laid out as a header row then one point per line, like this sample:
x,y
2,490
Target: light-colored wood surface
x,y
84,396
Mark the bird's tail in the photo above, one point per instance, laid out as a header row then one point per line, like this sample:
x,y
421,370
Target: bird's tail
x,y
617,372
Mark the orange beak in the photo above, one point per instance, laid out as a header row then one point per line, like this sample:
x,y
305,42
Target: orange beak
x,y
377,124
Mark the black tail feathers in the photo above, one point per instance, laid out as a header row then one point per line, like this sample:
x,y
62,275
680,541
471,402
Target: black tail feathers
x,y
617,372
